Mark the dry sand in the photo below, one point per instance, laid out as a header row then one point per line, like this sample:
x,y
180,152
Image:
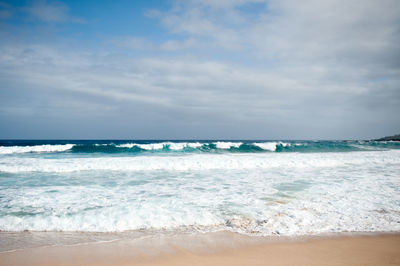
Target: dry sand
x,y
233,250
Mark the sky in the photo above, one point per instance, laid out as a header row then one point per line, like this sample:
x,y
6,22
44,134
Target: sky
x,y
227,69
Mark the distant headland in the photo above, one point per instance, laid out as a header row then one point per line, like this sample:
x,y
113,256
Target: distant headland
x,y
388,138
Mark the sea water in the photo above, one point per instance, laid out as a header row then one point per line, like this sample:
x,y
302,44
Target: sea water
x,y
260,188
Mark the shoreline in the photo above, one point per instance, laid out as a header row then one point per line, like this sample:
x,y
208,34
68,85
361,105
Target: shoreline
x,y
27,239
222,248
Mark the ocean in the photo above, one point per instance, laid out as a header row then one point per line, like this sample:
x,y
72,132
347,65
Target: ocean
x,y
106,189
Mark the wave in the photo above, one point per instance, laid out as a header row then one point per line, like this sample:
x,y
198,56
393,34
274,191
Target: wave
x,y
162,145
204,147
218,146
35,148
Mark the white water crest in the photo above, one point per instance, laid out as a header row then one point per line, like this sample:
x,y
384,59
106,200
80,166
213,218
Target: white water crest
x,y
227,145
36,148
162,145
270,146
181,145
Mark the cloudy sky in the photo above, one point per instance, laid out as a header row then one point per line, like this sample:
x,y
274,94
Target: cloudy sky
x,y
226,69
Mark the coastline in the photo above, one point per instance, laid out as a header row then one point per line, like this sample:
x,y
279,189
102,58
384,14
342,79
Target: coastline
x,y
219,248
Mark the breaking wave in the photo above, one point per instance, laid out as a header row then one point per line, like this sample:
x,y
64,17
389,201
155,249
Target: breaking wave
x,y
199,146
35,148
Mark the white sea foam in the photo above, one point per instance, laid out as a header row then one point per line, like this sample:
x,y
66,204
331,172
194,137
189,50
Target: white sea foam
x,y
197,162
270,146
126,145
36,148
162,145
262,193
177,163
194,144
227,145
151,146
181,145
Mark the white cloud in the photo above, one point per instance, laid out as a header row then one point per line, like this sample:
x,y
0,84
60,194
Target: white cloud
x,y
313,69
354,31
357,31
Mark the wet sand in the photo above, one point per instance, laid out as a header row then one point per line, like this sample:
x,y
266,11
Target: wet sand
x,y
218,249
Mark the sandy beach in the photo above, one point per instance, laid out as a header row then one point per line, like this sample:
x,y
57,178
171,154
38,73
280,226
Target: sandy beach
x,y
218,249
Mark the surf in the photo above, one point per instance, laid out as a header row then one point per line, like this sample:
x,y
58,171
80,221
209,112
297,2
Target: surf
x,y
135,147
